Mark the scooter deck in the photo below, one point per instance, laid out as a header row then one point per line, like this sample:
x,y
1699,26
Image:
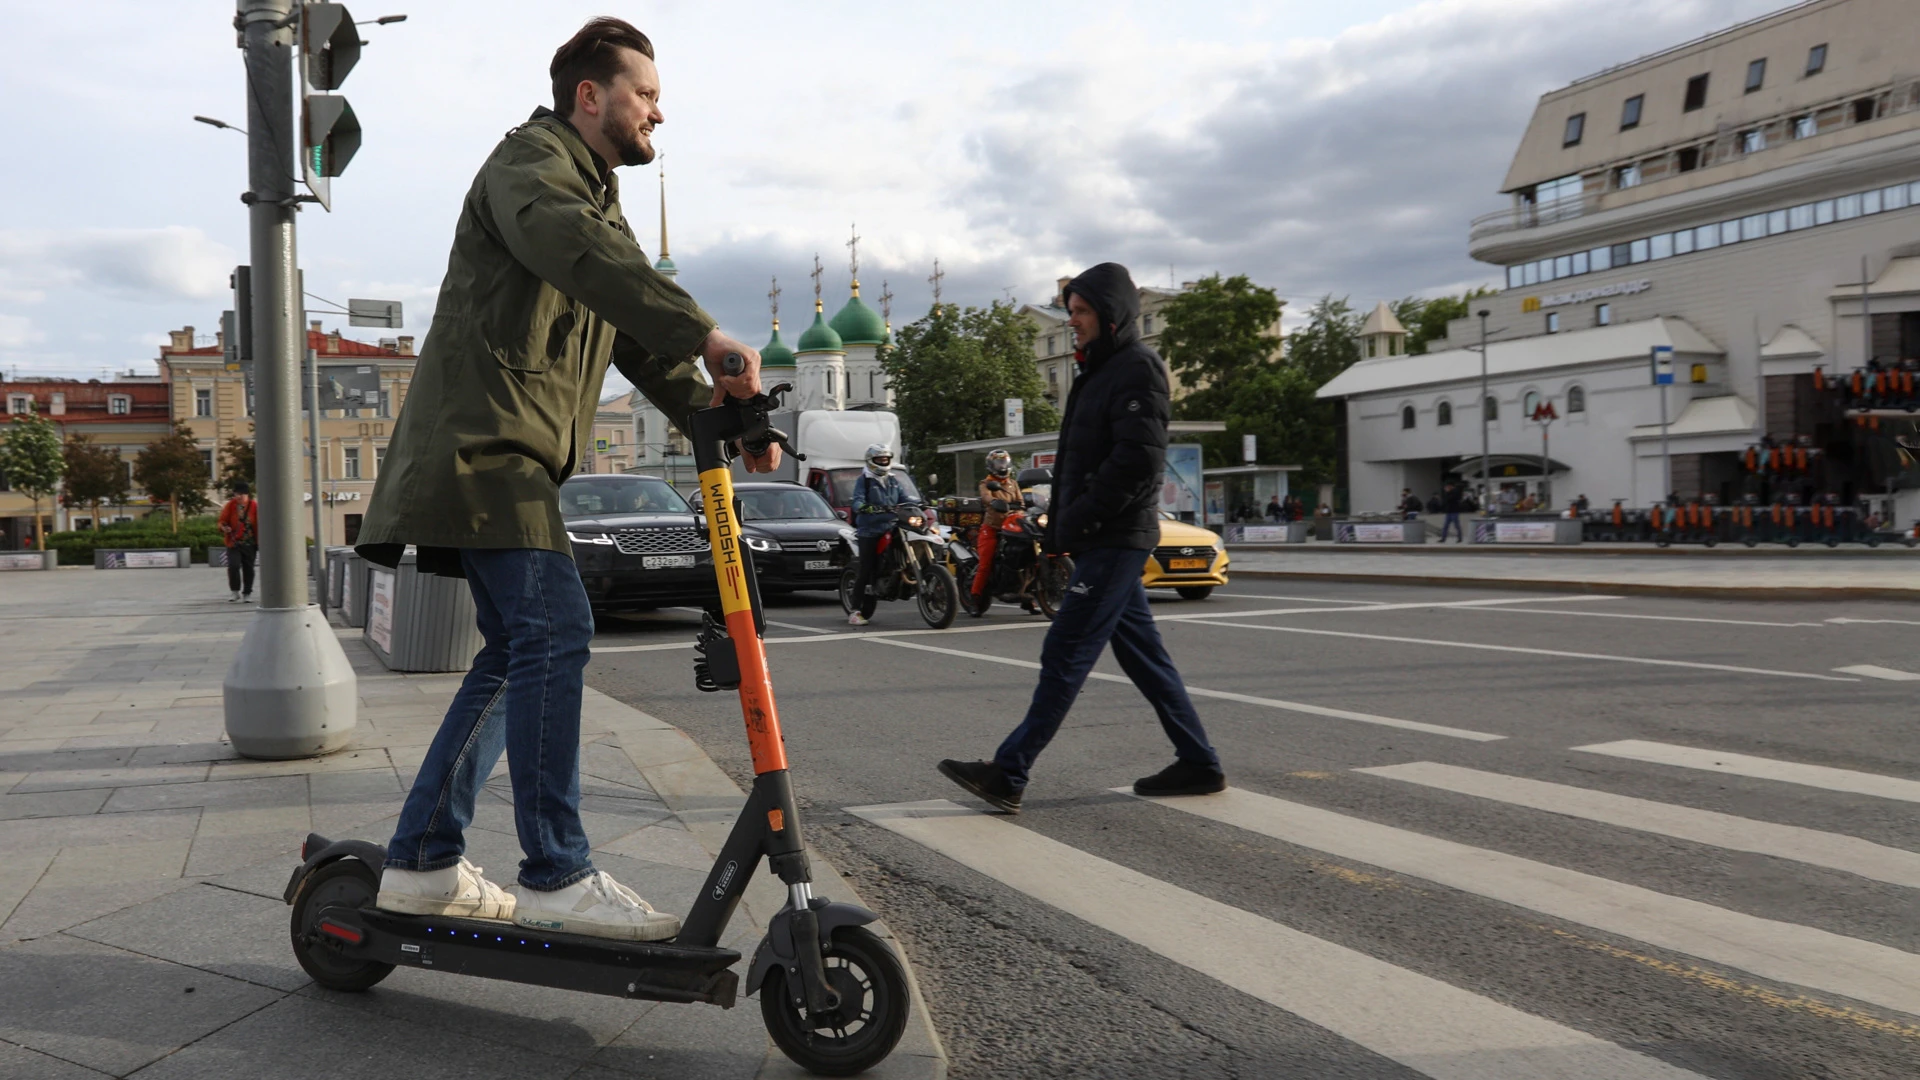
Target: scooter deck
x,y
650,970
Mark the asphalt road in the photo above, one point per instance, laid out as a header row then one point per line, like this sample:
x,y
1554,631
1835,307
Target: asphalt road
x,y
1722,883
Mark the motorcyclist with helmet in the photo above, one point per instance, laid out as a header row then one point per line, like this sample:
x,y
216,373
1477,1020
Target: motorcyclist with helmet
x,y
875,493
1000,500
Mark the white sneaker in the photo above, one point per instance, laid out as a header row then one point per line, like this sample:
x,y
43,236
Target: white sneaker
x,y
596,906
235,600
458,890
857,619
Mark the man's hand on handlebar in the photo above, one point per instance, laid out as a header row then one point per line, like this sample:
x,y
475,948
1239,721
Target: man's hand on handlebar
x,y
744,384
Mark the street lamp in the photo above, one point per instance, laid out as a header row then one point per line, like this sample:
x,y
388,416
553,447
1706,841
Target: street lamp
x,y
211,122
381,21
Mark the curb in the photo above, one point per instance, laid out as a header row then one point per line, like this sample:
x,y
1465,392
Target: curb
x,y
1717,592
706,800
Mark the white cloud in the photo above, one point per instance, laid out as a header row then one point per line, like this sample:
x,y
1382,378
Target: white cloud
x,y
18,332
175,262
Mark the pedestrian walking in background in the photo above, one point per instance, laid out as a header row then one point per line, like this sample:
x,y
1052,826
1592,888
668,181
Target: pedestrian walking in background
x,y
240,530
1450,506
1275,511
1112,452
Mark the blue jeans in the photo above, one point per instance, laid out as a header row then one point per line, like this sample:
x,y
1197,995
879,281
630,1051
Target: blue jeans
x,y
522,695
1104,602
1452,522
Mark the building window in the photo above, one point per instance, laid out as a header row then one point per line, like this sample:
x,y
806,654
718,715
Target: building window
x,y
1146,324
385,408
379,459
1800,217
1756,75
1406,417
206,462
1636,251
1576,399
1687,160
1053,341
1601,258
1529,404
1626,176
1553,322
1491,406
1443,416
350,467
1848,207
1576,126
1696,94
1817,59
119,405
1683,242
1823,212
1516,277
203,403
1603,315
1660,247
19,404
1753,140
1630,112
1805,127
1863,110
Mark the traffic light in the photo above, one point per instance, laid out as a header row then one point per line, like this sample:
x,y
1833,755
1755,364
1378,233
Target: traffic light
x,y
330,133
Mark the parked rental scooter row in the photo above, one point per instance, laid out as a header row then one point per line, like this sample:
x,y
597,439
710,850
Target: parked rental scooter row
x,y
1700,522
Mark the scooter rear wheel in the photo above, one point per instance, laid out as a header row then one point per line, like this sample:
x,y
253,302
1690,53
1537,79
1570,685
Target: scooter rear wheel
x,y
347,883
872,1014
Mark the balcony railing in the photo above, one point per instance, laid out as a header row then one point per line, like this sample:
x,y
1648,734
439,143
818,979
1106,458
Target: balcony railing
x,y
1525,215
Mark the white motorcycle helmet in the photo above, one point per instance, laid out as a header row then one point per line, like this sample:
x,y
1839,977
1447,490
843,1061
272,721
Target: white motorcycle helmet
x,y
879,458
999,463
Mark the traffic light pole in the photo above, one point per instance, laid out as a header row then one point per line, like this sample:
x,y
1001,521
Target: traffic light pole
x,y
290,691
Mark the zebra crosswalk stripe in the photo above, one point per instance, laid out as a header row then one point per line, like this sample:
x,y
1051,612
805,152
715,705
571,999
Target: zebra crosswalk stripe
x,y
1782,951
1432,1027
1834,851
1761,768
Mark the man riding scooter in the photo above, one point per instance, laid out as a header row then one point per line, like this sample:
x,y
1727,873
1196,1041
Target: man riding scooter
x,y
1000,498
875,493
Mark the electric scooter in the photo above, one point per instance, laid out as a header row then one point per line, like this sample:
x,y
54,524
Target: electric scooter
x,y
833,994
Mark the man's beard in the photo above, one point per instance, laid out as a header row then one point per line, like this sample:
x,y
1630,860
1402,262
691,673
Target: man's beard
x,y
625,139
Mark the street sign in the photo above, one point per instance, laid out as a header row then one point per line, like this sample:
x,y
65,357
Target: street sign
x,y
382,313
1016,417
1662,365
1247,449
349,386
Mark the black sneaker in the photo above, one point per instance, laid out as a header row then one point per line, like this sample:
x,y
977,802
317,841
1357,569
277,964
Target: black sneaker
x,y
1182,778
983,778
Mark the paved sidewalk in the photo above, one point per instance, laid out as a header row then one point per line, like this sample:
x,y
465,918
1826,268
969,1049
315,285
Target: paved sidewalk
x,y
142,931
1882,574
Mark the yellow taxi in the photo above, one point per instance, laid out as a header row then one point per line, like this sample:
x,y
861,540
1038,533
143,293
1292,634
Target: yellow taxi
x,y
1190,560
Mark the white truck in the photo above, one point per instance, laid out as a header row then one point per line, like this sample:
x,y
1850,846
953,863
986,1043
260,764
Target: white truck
x,y
835,444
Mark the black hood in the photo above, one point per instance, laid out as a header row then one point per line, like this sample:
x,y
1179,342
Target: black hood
x,y
1110,289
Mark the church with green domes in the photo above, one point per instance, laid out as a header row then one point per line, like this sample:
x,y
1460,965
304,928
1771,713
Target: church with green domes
x,y
835,364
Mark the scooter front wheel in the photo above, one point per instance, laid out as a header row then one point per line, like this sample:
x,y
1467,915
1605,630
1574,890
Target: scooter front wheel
x,y
858,1035
346,883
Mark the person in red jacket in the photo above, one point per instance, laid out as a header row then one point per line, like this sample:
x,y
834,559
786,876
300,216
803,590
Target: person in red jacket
x,y
240,529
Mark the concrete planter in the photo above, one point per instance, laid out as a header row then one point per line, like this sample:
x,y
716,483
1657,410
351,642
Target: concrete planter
x,y
1380,532
1292,532
30,560
142,558
1527,532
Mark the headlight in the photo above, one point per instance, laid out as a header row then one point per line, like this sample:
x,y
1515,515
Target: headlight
x,y
849,535
589,538
759,544
917,521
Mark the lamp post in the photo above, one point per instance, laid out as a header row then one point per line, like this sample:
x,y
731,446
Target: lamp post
x,y
1486,483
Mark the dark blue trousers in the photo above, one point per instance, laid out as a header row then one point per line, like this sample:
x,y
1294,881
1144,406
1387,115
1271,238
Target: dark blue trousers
x,y
1105,602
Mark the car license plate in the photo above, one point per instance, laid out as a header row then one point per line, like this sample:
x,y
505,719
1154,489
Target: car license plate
x,y
819,564
665,562
1187,564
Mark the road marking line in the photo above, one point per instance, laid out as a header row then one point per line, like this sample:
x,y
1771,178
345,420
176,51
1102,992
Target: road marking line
x,y
1487,603
1851,854
799,626
1769,948
1224,695
1217,621
1875,671
1292,599
1889,622
1761,768
1659,618
1432,1027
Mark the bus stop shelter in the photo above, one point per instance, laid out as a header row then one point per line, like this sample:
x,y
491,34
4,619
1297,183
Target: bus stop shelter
x,y
1031,451
1240,493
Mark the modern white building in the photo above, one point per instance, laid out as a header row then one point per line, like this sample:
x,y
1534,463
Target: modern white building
x,y
1721,197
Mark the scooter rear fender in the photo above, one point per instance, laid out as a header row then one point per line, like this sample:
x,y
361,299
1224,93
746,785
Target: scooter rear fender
x,y
318,851
777,949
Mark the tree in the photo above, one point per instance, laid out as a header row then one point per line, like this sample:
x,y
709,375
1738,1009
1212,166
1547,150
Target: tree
x,y
171,468
31,461
1426,320
95,475
236,463
1220,330
951,371
1329,343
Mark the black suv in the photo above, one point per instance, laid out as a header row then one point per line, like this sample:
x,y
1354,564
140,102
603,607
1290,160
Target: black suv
x,y
637,542
796,540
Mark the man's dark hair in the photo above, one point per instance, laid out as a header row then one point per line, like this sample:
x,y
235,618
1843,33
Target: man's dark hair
x,y
593,54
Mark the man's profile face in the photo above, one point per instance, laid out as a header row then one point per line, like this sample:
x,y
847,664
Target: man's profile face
x,y
1084,320
629,108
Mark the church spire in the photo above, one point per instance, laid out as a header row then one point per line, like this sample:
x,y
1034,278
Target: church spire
x,y
853,258
664,264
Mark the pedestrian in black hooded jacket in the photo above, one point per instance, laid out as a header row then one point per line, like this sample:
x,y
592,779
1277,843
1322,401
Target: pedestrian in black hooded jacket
x,y
1104,512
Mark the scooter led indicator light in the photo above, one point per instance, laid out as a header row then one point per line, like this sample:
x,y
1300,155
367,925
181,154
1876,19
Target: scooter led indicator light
x,y
777,820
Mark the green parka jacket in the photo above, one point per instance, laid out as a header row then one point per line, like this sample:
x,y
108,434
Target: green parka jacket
x,y
545,285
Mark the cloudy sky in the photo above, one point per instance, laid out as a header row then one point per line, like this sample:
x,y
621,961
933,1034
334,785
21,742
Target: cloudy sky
x,y
1319,147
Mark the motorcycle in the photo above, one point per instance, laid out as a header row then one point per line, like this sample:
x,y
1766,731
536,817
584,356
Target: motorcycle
x,y
1022,572
913,563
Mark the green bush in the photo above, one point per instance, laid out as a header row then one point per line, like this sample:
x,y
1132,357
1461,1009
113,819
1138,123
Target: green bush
x,y
77,547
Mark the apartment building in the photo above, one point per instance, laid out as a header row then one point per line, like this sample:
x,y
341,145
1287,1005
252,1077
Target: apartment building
x,y
1749,199
122,414
1053,338
212,396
